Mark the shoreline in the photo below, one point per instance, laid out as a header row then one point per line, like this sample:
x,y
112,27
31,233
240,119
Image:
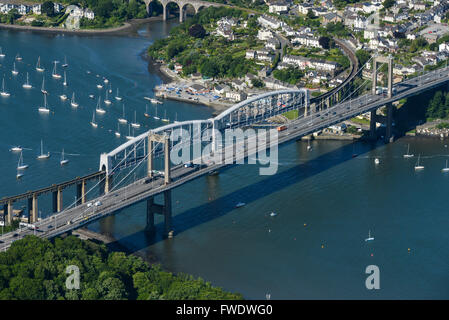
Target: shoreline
x,y
125,28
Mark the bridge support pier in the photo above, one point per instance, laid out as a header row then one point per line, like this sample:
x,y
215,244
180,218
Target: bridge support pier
x,y
166,141
389,124
80,192
30,210
35,212
372,126
7,213
165,209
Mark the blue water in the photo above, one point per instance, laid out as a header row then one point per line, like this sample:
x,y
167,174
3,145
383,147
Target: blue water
x,y
326,200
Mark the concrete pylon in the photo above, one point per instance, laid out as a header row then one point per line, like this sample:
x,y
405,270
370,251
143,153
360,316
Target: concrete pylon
x,y
162,209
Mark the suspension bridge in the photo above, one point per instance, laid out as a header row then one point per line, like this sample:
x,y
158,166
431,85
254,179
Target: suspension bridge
x,y
127,175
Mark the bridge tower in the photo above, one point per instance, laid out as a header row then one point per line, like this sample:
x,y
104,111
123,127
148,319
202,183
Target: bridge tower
x,y
163,209
165,140
389,117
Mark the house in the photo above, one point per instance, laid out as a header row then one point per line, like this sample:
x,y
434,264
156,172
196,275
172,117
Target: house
x,y
178,67
238,84
250,54
264,34
420,6
37,8
270,22
196,88
279,7
58,7
331,17
307,40
304,7
273,44
23,9
236,96
226,32
89,14
370,33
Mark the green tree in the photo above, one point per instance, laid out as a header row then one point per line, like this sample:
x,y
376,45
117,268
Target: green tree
x,y
48,8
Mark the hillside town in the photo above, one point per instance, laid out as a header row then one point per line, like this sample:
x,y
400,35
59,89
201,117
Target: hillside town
x,y
297,38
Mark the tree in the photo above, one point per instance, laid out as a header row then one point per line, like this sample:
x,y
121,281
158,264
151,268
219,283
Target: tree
x,y
197,31
310,14
324,42
257,83
48,8
363,56
388,3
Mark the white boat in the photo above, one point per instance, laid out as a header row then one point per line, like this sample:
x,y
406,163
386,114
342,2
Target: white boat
x,y
99,86
408,155
98,109
123,119
418,166
376,161
4,93
240,204
135,124
27,84
129,136
153,100
38,65
106,100
44,109
63,97
93,123
105,80
273,214
91,96
18,57
63,161
14,70
73,103
110,88
445,169
65,79
155,115
369,236
117,133
43,155
309,147
117,97
2,55
146,114
20,164
19,174
43,86
55,74
165,119
16,149
65,65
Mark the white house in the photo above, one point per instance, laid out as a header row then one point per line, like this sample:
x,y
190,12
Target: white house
x,y
236,96
37,8
270,22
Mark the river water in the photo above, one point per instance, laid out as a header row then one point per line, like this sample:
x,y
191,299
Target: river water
x,y
326,200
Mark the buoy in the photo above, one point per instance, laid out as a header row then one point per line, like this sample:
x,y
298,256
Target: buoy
x,y
322,246
305,224
408,249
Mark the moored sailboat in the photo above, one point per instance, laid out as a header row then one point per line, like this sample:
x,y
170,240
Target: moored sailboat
x,y
43,86
123,119
117,97
63,160
20,164
55,74
93,123
14,70
135,124
117,133
27,84
98,109
38,65
43,155
44,109
4,93
73,103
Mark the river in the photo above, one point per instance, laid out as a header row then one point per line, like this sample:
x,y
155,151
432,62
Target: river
x,y
326,201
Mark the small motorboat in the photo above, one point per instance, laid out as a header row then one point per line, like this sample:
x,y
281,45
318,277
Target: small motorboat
x,y
273,214
376,161
240,204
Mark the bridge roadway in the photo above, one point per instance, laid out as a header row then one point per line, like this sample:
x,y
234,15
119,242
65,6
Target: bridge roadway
x,y
140,191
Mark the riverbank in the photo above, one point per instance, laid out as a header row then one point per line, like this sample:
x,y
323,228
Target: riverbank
x,y
127,27
112,244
